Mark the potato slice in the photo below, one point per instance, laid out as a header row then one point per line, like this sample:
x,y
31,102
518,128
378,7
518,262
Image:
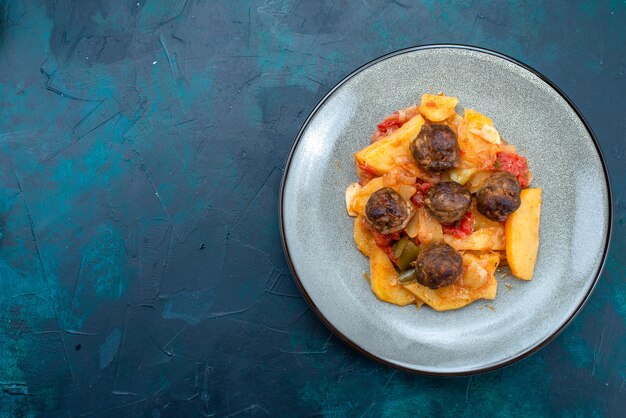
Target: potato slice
x,y
360,199
477,282
363,237
481,221
381,156
406,191
479,269
384,280
437,108
522,235
461,175
486,239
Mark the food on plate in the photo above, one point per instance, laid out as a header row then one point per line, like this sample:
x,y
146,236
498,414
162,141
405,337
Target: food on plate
x,y
387,211
438,265
435,148
448,201
442,200
499,196
522,234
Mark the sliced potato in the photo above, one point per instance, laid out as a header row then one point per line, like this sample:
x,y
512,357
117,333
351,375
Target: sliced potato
x,y
492,238
461,175
384,280
522,235
477,282
477,179
406,191
476,120
383,155
479,269
360,199
363,237
437,108
481,221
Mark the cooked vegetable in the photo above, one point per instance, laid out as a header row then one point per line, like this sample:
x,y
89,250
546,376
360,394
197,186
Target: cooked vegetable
x,y
481,221
438,265
476,151
407,255
437,108
488,133
360,200
407,276
448,201
522,235
351,192
514,164
485,239
384,280
412,227
406,191
499,196
436,148
381,156
428,228
434,189
462,175
463,292
398,247
476,181
363,237
387,211
479,269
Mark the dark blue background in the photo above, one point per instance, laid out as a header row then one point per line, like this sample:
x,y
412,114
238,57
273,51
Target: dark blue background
x,y
141,149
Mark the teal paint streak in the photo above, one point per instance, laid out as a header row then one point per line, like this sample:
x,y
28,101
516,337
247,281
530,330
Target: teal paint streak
x,y
25,306
401,394
103,265
191,307
588,7
580,352
25,301
110,347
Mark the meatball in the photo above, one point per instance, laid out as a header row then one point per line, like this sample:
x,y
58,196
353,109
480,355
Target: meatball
x,y
499,196
435,148
387,211
448,201
438,265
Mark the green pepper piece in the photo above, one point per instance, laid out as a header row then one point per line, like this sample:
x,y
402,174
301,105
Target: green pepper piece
x,y
398,247
409,254
407,276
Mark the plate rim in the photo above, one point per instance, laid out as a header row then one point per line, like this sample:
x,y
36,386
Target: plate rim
x,y
529,351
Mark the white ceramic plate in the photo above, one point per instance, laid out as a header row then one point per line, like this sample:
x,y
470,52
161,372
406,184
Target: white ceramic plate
x,y
530,113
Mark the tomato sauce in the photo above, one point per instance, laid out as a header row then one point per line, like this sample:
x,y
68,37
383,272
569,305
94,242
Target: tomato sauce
x,y
393,122
365,173
514,164
385,242
462,228
422,188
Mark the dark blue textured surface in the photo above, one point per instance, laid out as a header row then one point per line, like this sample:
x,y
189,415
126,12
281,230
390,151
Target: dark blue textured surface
x,y
141,150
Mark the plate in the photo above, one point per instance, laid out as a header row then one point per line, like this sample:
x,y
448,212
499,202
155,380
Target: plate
x,y
531,113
